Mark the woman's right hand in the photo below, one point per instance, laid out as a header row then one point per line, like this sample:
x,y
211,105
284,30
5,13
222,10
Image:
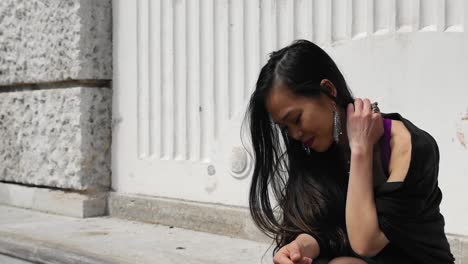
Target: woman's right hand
x,y
292,253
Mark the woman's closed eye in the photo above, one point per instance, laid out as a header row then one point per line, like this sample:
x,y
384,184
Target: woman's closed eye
x,y
298,119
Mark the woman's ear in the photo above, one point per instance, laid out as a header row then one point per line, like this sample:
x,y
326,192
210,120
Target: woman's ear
x,y
329,86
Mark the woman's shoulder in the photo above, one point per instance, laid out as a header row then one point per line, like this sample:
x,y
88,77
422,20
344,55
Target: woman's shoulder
x,y
400,146
419,138
424,153
400,136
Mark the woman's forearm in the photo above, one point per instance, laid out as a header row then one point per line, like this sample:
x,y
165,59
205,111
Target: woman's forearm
x,y
361,214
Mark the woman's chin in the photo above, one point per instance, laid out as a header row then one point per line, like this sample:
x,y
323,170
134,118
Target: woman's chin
x,y
320,148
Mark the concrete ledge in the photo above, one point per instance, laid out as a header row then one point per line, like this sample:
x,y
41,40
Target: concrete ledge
x,y
37,251
12,260
53,201
215,219
224,220
459,247
46,238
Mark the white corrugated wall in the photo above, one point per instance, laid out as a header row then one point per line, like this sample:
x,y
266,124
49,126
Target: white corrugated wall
x,y
184,69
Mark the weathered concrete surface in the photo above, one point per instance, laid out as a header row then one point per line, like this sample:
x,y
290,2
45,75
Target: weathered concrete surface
x,y
215,219
49,40
54,201
459,247
55,239
56,137
228,221
44,237
9,260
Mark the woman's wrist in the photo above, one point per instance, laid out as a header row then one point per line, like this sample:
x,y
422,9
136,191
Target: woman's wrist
x,y
309,244
361,149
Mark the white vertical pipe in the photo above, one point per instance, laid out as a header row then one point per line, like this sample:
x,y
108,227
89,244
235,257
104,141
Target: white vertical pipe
x,y
322,22
236,55
404,20
382,16
268,22
428,21
180,75
251,44
370,19
193,79
454,16
359,23
207,96
285,26
221,100
303,19
341,20
168,79
440,13
155,52
142,82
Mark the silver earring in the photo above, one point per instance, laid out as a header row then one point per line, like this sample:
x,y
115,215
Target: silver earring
x,y
337,132
306,149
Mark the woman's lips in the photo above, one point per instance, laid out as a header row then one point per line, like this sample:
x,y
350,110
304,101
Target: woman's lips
x,y
310,142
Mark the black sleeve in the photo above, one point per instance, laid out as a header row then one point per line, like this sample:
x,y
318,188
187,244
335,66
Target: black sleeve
x,y
332,241
324,245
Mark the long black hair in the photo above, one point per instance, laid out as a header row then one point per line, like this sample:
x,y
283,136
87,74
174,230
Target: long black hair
x,y
310,189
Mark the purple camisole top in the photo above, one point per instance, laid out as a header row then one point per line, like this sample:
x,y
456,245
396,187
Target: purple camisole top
x,y
385,145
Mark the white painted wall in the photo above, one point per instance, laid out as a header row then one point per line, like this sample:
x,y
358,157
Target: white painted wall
x,y
183,70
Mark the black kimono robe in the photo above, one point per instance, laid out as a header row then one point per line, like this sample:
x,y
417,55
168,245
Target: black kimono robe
x,y
408,211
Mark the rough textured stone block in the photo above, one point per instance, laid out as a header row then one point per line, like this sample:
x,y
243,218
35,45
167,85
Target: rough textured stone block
x,y
49,40
56,137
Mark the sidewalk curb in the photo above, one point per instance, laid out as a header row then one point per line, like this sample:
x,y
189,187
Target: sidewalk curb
x,y
38,251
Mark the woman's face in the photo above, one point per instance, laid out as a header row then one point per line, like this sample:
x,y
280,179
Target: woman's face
x,y
309,120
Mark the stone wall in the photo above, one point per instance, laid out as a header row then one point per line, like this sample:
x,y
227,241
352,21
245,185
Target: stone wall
x,y
55,94
50,40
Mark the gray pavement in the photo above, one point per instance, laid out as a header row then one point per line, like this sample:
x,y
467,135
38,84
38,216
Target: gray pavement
x,y
47,238
9,260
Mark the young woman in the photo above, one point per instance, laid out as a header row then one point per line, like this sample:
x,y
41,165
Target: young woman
x,y
352,185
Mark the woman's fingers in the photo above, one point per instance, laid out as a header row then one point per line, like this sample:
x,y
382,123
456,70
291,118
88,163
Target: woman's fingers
x,y
282,259
305,260
367,107
291,254
364,126
358,106
295,251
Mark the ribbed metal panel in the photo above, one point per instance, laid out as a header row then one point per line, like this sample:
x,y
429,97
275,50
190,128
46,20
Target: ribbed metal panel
x,y
198,60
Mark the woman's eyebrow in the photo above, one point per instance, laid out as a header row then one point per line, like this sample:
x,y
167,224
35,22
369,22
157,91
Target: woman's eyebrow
x,y
285,116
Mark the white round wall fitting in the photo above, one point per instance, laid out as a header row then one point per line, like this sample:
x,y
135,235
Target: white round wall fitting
x,y
240,164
